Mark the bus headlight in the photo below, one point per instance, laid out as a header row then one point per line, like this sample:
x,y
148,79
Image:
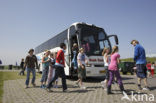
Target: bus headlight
x,y
89,65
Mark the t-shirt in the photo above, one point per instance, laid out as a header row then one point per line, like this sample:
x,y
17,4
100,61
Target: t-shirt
x,y
52,61
106,62
82,58
148,66
30,61
46,64
114,65
152,66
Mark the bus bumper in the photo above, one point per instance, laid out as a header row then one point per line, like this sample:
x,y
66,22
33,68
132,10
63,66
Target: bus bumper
x,y
95,71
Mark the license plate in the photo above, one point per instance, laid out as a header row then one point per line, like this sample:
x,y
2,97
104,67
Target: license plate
x,y
102,71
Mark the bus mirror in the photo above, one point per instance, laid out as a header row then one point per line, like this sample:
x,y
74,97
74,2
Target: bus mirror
x,y
115,37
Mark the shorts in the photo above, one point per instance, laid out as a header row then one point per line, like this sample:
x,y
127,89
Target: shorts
x,y
141,71
81,73
107,73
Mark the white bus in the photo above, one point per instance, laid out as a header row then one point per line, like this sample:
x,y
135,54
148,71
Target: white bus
x,y
82,34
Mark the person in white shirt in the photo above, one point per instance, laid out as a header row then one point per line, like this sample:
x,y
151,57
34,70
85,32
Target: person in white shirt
x,y
82,61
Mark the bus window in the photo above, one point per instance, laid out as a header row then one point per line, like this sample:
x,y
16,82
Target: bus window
x,y
93,41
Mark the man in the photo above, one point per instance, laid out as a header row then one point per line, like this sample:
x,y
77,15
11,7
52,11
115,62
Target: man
x,y
59,65
140,59
30,63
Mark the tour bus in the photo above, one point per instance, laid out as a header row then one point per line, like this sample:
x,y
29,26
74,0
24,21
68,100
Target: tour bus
x,y
92,38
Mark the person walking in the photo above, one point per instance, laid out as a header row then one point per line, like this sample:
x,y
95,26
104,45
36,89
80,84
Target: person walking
x,y
106,58
148,65
152,69
59,72
75,52
30,64
51,67
22,67
45,64
140,59
114,70
82,60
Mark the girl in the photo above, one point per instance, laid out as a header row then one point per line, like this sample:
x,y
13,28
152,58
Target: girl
x,y
152,69
56,81
51,67
106,59
113,70
45,64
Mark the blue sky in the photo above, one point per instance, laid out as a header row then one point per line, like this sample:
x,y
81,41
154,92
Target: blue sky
x,y
25,24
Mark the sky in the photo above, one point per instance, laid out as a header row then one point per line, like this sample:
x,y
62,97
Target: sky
x,y
25,24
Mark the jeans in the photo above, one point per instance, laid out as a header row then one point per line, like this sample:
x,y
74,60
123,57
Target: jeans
x,y
28,75
45,74
59,72
22,71
111,77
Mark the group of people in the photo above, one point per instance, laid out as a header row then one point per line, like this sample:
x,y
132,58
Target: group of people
x,y
53,67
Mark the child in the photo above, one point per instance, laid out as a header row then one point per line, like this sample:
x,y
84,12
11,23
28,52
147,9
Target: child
x,y
56,81
51,67
148,65
113,70
45,64
152,69
106,59
82,59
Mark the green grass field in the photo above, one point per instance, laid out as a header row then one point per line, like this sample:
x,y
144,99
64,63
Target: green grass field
x,y
10,75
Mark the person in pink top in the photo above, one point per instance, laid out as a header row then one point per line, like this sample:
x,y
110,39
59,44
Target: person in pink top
x,y
113,70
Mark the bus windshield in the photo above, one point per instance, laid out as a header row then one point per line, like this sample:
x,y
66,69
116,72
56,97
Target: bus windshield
x,y
93,41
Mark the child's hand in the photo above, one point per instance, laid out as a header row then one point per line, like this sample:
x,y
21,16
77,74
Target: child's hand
x,y
83,67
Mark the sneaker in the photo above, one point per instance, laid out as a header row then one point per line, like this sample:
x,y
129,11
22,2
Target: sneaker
x,y
34,85
83,87
55,86
42,86
124,93
139,87
105,89
49,90
66,90
76,83
146,88
103,84
26,87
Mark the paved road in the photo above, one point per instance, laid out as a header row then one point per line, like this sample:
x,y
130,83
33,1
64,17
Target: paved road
x,y
14,92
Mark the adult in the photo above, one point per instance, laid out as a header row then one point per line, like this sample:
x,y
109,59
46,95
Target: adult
x,y
30,64
22,67
140,59
59,72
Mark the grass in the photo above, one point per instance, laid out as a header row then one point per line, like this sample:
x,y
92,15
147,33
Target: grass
x,y
11,75
151,59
